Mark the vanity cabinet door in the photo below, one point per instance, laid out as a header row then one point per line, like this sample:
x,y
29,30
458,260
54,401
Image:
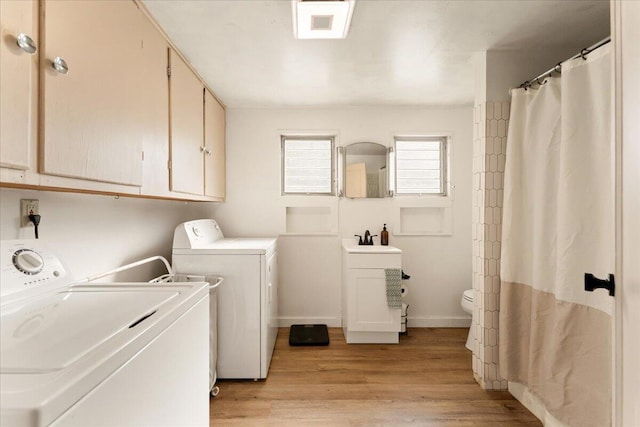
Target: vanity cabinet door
x,y
91,99
18,68
368,310
214,143
187,129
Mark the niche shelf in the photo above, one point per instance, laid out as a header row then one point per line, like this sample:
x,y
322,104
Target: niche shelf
x,y
431,217
310,218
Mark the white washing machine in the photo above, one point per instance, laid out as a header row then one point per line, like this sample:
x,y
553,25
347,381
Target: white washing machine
x,y
99,354
248,300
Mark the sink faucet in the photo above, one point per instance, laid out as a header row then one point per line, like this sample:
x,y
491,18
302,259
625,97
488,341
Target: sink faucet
x,y
368,239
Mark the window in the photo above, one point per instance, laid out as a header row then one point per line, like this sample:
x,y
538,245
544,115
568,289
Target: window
x,y
307,165
421,164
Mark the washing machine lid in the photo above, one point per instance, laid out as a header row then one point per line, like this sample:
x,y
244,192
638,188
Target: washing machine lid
x,y
51,332
231,246
468,295
90,331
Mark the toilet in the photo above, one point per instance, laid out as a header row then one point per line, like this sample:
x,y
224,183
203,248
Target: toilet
x,y
467,305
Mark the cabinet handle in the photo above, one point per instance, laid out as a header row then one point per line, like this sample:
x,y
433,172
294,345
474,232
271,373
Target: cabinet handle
x,y
26,43
60,65
207,151
202,149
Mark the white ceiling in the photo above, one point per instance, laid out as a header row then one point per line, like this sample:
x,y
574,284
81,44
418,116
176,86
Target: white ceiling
x,y
398,52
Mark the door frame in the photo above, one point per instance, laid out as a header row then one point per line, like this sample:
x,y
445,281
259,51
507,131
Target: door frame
x,y
625,26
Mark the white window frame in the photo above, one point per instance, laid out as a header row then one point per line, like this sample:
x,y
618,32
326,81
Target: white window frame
x,y
283,139
444,165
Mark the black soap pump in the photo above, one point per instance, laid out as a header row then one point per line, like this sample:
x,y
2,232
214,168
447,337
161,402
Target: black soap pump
x,y
384,236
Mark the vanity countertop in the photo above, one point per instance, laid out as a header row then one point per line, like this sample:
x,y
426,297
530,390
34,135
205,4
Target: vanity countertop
x,y
352,247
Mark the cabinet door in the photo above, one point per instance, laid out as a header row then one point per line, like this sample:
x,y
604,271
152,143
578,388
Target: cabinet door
x,y
214,142
91,114
156,112
17,83
367,299
187,136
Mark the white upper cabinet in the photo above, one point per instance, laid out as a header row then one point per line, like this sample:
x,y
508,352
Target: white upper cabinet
x,y
18,69
91,72
214,143
155,91
86,105
187,129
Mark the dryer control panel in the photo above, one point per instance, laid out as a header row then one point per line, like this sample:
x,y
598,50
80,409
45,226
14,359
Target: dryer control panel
x,y
196,234
26,264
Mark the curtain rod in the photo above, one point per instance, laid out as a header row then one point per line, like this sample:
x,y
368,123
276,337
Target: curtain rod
x,y
558,67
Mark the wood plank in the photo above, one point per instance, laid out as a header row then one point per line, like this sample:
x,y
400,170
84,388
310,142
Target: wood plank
x,y
424,380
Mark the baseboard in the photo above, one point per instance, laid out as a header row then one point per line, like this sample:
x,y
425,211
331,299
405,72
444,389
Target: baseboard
x,y
439,322
331,322
414,322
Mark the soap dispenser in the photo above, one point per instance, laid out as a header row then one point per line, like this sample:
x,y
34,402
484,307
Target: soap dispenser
x,y
384,236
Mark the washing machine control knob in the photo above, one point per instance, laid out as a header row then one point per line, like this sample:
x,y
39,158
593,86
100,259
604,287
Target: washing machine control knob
x,y
28,261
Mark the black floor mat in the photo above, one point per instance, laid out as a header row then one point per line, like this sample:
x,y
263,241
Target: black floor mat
x,y
308,335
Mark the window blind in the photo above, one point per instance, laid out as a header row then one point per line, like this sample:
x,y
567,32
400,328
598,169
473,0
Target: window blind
x,y
307,165
420,166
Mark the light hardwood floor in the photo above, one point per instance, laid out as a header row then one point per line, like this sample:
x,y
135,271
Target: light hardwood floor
x,y
426,380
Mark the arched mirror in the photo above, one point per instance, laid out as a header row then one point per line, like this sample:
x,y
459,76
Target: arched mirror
x,y
365,170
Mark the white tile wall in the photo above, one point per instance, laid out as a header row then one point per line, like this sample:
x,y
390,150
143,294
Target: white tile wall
x,y
489,143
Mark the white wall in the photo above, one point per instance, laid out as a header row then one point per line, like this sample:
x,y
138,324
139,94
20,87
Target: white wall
x,y
310,281
97,233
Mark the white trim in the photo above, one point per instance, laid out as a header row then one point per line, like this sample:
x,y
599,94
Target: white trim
x,y
439,322
310,234
626,390
414,322
331,322
616,348
446,234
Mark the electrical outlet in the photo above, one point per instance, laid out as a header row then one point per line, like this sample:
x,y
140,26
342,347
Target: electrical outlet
x,y
28,207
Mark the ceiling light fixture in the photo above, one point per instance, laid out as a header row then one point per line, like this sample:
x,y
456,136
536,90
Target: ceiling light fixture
x,y
321,19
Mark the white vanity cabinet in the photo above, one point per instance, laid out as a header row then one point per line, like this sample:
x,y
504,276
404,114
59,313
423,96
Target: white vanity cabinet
x,y
366,316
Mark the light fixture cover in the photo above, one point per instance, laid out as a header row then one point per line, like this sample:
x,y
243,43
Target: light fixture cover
x,y
322,19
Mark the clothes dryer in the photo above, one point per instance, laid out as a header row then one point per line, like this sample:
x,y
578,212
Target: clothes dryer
x,y
247,302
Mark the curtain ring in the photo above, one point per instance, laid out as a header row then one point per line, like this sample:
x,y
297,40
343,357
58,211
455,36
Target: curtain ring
x,y
557,68
584,52
117,196
541,82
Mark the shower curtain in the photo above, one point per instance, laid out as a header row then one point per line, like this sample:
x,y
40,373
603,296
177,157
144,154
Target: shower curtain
x,y
558,224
